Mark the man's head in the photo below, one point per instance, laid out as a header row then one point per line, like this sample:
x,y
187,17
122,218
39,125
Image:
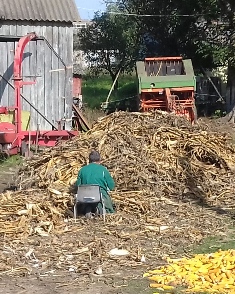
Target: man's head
x,y
94,156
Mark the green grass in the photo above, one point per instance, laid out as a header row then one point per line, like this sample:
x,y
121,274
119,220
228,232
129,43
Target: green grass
x,y
11,161
213,244
95,89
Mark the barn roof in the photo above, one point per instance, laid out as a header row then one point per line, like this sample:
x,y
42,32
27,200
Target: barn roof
x,y
39,10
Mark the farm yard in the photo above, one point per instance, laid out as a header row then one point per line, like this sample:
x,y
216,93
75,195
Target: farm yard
x,y
156,107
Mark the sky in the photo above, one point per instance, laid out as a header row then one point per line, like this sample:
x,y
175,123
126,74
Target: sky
x,y
87,8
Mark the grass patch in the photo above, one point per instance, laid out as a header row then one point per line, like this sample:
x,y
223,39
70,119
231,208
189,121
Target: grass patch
x,y
11,161
95,89
213,244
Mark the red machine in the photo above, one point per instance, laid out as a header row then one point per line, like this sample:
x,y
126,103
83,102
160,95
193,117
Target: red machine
x,y
12,138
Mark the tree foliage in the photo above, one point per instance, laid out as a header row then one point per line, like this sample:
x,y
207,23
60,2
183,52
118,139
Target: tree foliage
x,y
110,42
199,29
203,30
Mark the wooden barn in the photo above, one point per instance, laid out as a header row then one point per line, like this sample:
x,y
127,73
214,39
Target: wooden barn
x,y
47,60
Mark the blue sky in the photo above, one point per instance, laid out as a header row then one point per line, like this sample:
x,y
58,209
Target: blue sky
x,y
87,8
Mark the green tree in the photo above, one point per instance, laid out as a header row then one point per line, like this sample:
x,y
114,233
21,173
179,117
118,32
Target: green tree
x,y
110,43
203,30
174,25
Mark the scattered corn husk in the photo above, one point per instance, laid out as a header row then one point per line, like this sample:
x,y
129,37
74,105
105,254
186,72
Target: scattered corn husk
x,y
99,271
171,179
118,252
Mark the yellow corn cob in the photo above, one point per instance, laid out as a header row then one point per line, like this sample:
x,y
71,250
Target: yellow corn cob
x,y
161,271
212,273
208,279
155,285
215,271
228,274
166,287
230,266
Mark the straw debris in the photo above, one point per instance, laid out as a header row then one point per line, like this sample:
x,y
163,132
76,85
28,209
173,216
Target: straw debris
x,y
171,180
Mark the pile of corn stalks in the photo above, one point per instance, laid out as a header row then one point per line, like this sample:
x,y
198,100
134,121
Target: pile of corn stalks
x,y
154,154
210,273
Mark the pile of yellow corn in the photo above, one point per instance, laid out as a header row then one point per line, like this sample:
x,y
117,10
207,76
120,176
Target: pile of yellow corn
x,y
212,273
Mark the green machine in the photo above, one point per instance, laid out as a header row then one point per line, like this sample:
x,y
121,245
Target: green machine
x,y
168,84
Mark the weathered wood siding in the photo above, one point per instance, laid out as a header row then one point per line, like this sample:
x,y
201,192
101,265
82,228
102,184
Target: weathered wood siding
x,y
52,93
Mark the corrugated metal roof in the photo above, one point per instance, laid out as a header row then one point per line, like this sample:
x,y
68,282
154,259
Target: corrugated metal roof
x,y
39,10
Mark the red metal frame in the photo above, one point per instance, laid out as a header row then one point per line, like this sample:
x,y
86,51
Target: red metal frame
x,y
19,83
172,90
162,58
177,100
12,133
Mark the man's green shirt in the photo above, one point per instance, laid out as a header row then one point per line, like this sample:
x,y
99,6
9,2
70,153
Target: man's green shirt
x,y
94,173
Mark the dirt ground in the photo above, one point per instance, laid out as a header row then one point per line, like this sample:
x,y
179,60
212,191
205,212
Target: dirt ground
x,y
123,282
65,281
71,284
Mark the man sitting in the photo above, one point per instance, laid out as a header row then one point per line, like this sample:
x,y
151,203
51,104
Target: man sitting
x,y
96,174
